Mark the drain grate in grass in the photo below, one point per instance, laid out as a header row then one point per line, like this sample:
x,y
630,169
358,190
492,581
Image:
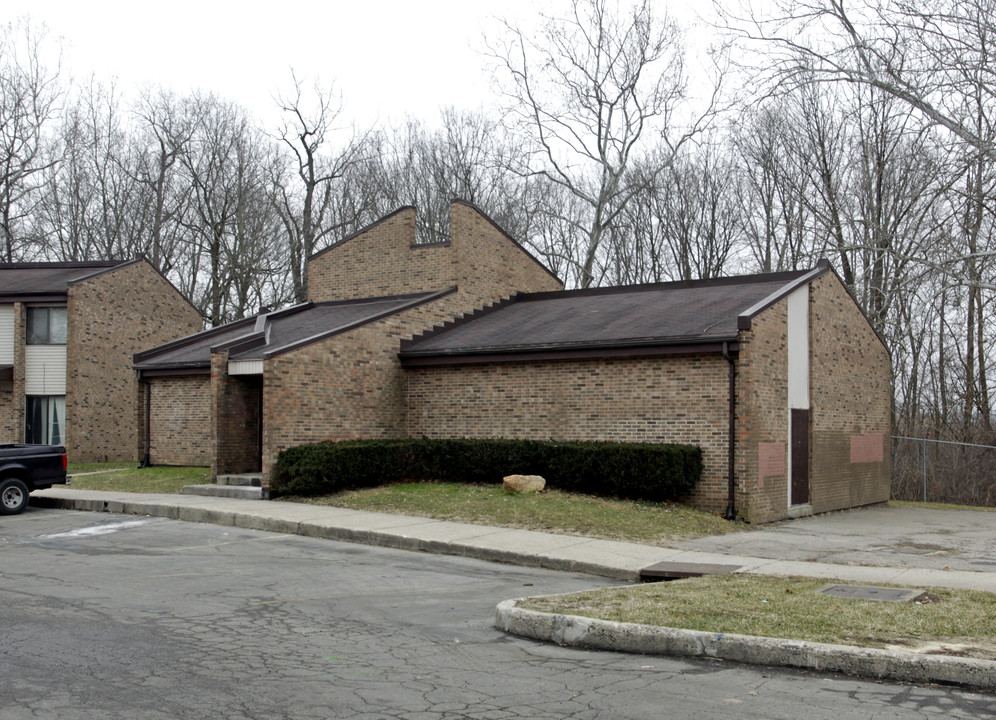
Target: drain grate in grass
x,y
870,592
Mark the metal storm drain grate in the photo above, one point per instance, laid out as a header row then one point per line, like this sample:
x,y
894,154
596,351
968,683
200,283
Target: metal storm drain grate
x,y
870,592
675,570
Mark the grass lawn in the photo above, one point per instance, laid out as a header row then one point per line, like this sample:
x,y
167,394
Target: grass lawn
x,y
939,506
551,511
952,622
128,477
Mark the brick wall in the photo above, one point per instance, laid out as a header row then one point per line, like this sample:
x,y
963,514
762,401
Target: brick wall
x,y
851,392
850,408
762,415
110,318
681,399
348,386
381,260
235,420
481,260
12,403
490,264
180,420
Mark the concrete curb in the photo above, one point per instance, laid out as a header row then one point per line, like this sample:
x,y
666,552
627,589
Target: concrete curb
x,y
588,633
379,538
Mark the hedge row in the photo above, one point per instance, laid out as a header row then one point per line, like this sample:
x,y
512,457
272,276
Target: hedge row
x,y
626,470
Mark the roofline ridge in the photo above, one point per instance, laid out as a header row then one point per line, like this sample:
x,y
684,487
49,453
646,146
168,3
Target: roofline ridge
x,y
454,322
420,299
504,232
787,275
61,264
362,230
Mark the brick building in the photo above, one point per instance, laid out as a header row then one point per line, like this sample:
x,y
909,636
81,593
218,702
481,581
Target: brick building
x,y
68,332
779,377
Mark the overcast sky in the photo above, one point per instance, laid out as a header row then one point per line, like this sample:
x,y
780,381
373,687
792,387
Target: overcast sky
x,y
388,57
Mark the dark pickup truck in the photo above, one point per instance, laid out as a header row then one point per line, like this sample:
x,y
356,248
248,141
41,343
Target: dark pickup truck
x,y
24,468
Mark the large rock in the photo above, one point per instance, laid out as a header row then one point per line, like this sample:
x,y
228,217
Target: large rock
x,y
523,483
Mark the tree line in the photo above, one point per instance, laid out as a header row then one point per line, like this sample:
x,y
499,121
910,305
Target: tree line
x,y
865,134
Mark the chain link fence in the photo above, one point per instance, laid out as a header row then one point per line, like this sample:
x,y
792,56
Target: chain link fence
x,y
943,471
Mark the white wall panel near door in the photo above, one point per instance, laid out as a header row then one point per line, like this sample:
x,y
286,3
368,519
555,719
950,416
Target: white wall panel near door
x,y
45,370
6,334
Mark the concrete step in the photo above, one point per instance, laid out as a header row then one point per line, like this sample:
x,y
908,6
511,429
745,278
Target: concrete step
x,y
241,479
242,492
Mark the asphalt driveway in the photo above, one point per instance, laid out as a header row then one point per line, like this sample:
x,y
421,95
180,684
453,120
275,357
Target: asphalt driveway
x,y
121,616
877,535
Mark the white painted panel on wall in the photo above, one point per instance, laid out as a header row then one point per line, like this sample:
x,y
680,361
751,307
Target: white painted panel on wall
x,y
45,370
6,334
245,367
798,348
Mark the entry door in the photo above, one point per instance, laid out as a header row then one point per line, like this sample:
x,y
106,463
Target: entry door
x,y
800,457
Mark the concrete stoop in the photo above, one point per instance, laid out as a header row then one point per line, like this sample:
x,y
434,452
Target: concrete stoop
x,y
244,486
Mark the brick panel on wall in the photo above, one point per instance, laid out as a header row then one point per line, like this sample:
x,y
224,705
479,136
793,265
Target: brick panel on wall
x,y
180,421
681,399
110,318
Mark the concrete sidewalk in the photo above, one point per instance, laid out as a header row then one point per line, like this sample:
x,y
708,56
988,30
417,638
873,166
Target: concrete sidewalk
x,y
619,560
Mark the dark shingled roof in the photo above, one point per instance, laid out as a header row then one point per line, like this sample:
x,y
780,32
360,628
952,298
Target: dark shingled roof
x,y
274,333
679,313
25,280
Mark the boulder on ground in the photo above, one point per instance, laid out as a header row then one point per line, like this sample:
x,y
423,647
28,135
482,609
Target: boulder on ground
x,y
523,483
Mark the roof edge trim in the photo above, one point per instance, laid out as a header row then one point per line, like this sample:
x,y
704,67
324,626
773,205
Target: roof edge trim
x,y
566,354
745,319
189,339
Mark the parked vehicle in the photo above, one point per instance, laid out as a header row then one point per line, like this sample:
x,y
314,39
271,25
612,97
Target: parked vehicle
x,y
24,468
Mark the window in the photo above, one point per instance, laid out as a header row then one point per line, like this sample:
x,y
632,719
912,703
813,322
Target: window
x,y
46,326
45,421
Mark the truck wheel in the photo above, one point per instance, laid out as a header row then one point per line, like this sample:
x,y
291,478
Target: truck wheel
x,y
13,496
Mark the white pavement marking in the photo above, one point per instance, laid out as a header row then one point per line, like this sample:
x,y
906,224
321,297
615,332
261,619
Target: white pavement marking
x,y
103,529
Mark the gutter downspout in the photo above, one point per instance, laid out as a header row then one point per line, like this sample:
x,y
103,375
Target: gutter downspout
x,y
148,423
731,513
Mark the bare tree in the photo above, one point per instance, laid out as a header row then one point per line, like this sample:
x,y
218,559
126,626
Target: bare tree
x,y
307,210
930,54
166,126
592,91
29,100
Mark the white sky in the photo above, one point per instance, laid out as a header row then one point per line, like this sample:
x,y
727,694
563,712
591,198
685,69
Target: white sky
x,y
388,58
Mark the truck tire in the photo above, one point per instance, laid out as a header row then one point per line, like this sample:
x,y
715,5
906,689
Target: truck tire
x,y
13,496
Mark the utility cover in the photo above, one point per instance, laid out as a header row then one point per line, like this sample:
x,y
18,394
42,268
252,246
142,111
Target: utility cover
x,y
870,592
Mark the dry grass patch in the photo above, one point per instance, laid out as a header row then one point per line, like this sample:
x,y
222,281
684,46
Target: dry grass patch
x,y
950,621
127,477
550,511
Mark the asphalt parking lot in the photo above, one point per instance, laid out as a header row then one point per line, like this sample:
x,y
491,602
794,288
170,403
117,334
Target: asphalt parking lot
x,y
123,616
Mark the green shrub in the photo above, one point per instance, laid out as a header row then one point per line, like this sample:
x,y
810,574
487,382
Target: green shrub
x,y
644,471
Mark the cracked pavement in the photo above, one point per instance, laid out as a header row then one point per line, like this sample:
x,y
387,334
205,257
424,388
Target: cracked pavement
x,y
109,616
